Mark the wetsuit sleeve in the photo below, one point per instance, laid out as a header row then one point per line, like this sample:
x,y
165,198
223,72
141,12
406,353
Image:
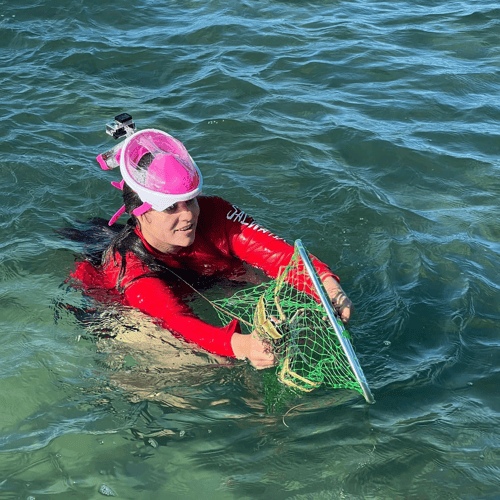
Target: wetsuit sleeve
x,y
154,297
260,248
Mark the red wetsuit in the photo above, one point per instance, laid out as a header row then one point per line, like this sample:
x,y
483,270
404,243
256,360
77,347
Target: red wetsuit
x,y
225,238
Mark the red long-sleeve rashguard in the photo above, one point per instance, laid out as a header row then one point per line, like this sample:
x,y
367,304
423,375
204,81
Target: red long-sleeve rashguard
x,y
225,238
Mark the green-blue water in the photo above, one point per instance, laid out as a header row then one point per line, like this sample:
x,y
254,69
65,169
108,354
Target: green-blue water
x,y
370,130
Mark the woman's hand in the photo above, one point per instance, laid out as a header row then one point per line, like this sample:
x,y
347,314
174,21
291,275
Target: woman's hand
x,y
251,347
340,301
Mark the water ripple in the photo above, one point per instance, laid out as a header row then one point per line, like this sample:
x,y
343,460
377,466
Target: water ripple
x,y
368,129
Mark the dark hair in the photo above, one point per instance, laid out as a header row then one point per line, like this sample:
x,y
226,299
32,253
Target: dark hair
x,y
127,241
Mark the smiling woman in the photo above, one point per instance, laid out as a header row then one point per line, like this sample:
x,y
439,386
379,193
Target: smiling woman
x,y
172,230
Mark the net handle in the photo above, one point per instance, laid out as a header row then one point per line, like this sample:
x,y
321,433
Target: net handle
x,y
344,342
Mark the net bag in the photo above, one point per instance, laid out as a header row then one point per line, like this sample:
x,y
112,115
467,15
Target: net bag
x,y
294,314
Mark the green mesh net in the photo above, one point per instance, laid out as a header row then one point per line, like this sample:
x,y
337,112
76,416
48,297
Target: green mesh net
x,y
288,312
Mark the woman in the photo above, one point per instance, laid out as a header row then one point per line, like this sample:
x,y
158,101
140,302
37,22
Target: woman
x,y
173,230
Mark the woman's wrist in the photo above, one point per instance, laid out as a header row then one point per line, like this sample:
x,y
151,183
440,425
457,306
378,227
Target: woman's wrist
x,y
251,347
240,346
341,303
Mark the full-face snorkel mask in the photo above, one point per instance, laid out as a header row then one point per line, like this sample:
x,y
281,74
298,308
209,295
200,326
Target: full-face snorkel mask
x,y
154,164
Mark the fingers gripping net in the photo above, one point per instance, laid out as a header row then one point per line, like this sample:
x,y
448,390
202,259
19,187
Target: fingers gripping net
x,y
289,314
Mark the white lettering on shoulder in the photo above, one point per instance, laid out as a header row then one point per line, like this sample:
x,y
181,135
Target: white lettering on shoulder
x,y
230,215
237,215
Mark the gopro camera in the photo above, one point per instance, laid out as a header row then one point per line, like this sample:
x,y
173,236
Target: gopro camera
x,y
122,125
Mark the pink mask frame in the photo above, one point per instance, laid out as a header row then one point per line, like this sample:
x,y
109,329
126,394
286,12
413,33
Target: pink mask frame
x,y
171,176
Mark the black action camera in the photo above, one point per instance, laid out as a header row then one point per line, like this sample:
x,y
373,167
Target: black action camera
x,y
122,125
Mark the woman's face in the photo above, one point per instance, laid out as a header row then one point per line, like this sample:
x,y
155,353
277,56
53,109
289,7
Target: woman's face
x,y
173,229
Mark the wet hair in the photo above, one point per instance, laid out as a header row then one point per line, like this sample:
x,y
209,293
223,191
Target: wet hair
x,y
102,243
127,241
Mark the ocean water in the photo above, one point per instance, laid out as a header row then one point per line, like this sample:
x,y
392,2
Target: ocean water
x,y
370,130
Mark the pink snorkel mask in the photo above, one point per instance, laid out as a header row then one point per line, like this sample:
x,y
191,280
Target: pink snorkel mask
x,y
157,167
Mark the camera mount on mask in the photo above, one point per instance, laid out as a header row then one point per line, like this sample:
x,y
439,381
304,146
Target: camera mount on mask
x,y
121,126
